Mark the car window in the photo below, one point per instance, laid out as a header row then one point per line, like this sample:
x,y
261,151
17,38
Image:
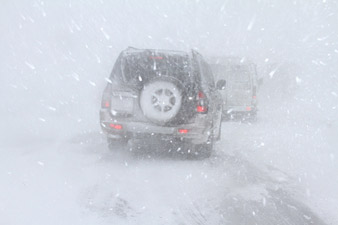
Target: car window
x,y
239,73
142,67
235,73
207,76
116,74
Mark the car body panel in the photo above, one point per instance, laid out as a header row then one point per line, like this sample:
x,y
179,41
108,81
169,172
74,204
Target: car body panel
x,y
123,110
241,85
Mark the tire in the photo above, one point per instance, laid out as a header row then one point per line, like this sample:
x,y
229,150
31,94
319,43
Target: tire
x,y
161,100
252,116
219,132
116,143
226,117
203,151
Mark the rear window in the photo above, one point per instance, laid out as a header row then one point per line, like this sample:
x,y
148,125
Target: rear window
x,y
239,73
142,67
236,73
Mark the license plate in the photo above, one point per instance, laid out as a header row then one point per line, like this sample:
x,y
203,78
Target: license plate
x,y
122,104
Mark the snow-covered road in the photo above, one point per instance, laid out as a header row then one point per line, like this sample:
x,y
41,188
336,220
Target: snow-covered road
x,y
248,180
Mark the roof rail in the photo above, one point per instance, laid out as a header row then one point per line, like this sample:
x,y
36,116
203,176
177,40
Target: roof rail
x,y
194,52
130,47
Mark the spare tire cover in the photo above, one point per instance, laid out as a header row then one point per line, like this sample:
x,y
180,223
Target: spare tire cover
x,y
160,101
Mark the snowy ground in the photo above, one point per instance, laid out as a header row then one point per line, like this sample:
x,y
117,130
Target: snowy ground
x,y
265,172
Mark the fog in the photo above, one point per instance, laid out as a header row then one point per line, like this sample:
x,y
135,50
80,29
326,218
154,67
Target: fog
x,y
55,168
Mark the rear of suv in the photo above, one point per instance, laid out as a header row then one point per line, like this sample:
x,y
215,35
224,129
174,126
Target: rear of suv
x,y
167,94
240,94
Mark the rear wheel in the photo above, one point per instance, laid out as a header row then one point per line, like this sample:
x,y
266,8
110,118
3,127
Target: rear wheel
x,y
203,151
219,132
200,151
252,116
116,143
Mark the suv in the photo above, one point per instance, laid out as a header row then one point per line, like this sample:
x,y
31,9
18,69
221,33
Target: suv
x,y
165,94
239,96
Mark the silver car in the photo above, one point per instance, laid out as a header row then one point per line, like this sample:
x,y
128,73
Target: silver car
x,y
240,93
162,94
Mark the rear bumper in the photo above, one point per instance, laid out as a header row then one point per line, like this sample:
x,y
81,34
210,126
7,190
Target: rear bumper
x,y
239,109
196,131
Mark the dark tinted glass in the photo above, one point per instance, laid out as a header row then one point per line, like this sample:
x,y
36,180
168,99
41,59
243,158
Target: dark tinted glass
x,y
142,67
239,73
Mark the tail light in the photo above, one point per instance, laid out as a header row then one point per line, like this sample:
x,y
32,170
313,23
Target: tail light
x,y
183,131
254,92
116,126
105,103
202,103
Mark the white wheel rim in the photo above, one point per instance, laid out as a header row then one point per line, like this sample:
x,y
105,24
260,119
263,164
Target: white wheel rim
x,y
160,101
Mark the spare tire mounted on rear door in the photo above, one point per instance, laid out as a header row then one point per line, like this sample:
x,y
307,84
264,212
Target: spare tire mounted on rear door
x,y
161,100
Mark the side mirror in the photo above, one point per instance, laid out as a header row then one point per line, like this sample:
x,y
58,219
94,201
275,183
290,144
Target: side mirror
x,y
220,85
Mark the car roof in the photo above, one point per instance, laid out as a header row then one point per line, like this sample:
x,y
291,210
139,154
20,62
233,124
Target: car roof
x,y
132,50
230,60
